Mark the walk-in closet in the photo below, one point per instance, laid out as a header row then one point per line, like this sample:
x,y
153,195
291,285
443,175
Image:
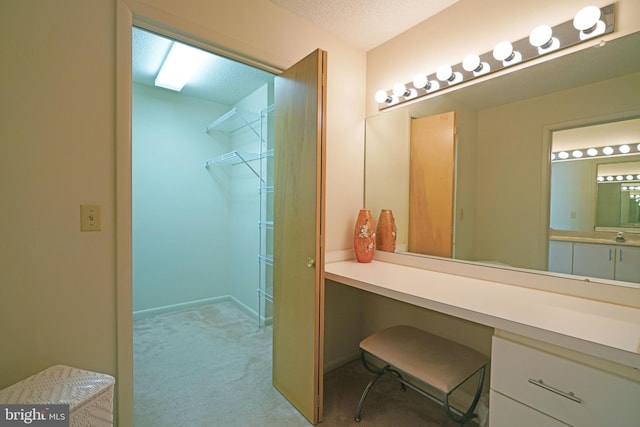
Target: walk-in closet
x,y
202,184
202,173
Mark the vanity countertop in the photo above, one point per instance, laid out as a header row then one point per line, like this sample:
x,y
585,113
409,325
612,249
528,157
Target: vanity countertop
x,y
605,238
602,329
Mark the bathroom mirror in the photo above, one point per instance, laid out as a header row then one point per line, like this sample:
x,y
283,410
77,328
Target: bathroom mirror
x,y
504,128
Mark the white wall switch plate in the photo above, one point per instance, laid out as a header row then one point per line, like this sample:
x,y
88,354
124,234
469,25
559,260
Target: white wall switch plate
x,y
90,218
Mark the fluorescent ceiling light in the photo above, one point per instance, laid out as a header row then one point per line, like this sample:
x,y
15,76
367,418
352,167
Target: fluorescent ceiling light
x,y
180,64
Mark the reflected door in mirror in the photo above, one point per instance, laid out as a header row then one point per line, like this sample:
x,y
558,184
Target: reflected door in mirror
x,y
431,185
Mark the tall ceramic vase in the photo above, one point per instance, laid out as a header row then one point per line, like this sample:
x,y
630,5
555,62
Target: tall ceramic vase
x,y
364,236
386,232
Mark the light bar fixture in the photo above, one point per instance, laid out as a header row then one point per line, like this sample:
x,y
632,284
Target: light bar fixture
x,y
589,22
179,66
603,151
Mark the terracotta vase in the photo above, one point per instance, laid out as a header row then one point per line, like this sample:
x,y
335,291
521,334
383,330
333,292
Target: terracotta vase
x,y
386,232
364,236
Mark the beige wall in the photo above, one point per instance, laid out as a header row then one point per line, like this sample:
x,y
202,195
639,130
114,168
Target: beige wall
x,y
59,121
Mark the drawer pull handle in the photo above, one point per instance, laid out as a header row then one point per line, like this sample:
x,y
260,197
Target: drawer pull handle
x,y
568,395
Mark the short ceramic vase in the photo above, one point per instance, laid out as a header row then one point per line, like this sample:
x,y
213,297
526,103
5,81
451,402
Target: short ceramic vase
x,y
364,236
386,232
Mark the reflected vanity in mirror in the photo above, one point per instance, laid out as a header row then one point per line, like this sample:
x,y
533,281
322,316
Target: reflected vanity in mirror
x,y
502,198
594,222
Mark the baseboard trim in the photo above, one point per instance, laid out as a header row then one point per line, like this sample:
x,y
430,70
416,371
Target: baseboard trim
x,y
140,314
341,361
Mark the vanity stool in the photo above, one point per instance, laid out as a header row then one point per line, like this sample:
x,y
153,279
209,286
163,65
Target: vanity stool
x,y
433,362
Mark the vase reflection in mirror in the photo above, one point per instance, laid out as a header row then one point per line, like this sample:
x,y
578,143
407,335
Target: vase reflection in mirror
x,y
364,236
386,231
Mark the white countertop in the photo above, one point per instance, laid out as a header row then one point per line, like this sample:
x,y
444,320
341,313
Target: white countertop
x,y
602,329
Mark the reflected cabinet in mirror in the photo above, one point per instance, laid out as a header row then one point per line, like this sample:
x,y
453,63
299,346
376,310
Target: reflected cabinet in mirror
x,y
503,207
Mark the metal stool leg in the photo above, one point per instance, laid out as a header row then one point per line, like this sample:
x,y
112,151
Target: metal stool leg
x,y
366,392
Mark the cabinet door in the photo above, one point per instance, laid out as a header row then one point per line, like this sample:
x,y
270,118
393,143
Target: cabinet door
x,y
506,412
560,257
627,264
594,260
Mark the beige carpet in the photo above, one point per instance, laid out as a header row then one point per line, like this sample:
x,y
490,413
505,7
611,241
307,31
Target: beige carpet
x,y
211,366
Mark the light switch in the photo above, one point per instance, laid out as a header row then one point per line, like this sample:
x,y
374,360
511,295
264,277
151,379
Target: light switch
x,y
90,218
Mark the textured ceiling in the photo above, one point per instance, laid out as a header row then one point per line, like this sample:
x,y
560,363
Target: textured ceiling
x,y
365,23
361,23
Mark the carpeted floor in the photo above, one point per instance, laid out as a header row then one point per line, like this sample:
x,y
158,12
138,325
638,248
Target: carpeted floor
x,y
211,366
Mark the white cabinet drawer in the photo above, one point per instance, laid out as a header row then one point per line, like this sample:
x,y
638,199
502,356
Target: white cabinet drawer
x,y
576,394
506,412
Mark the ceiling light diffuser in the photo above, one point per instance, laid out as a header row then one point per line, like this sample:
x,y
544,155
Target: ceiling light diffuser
x,y
179,66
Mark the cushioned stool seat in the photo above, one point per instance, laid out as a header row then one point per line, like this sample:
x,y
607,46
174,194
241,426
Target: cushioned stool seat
x,y
438,362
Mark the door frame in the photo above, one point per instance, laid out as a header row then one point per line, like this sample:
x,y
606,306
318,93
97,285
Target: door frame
x,y
128,15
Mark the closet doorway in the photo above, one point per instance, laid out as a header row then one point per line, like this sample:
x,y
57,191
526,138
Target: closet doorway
x,y
202,219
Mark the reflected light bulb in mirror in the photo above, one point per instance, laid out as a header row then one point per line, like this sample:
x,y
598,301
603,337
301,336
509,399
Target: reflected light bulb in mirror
x,y
588,22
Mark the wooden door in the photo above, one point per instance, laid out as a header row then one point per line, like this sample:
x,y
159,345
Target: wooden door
x,y
298,229
431,185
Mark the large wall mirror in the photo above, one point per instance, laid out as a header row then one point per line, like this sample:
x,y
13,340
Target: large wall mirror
x,y
505,127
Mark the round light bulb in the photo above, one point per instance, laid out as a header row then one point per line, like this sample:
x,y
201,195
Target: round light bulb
x,y
445,73
629,177
600,178
399,89
503,51
577,154
592,152
624,149
587,18
472,62
541,36
607,150
609,178
421,81
563,155
619,178
381,96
